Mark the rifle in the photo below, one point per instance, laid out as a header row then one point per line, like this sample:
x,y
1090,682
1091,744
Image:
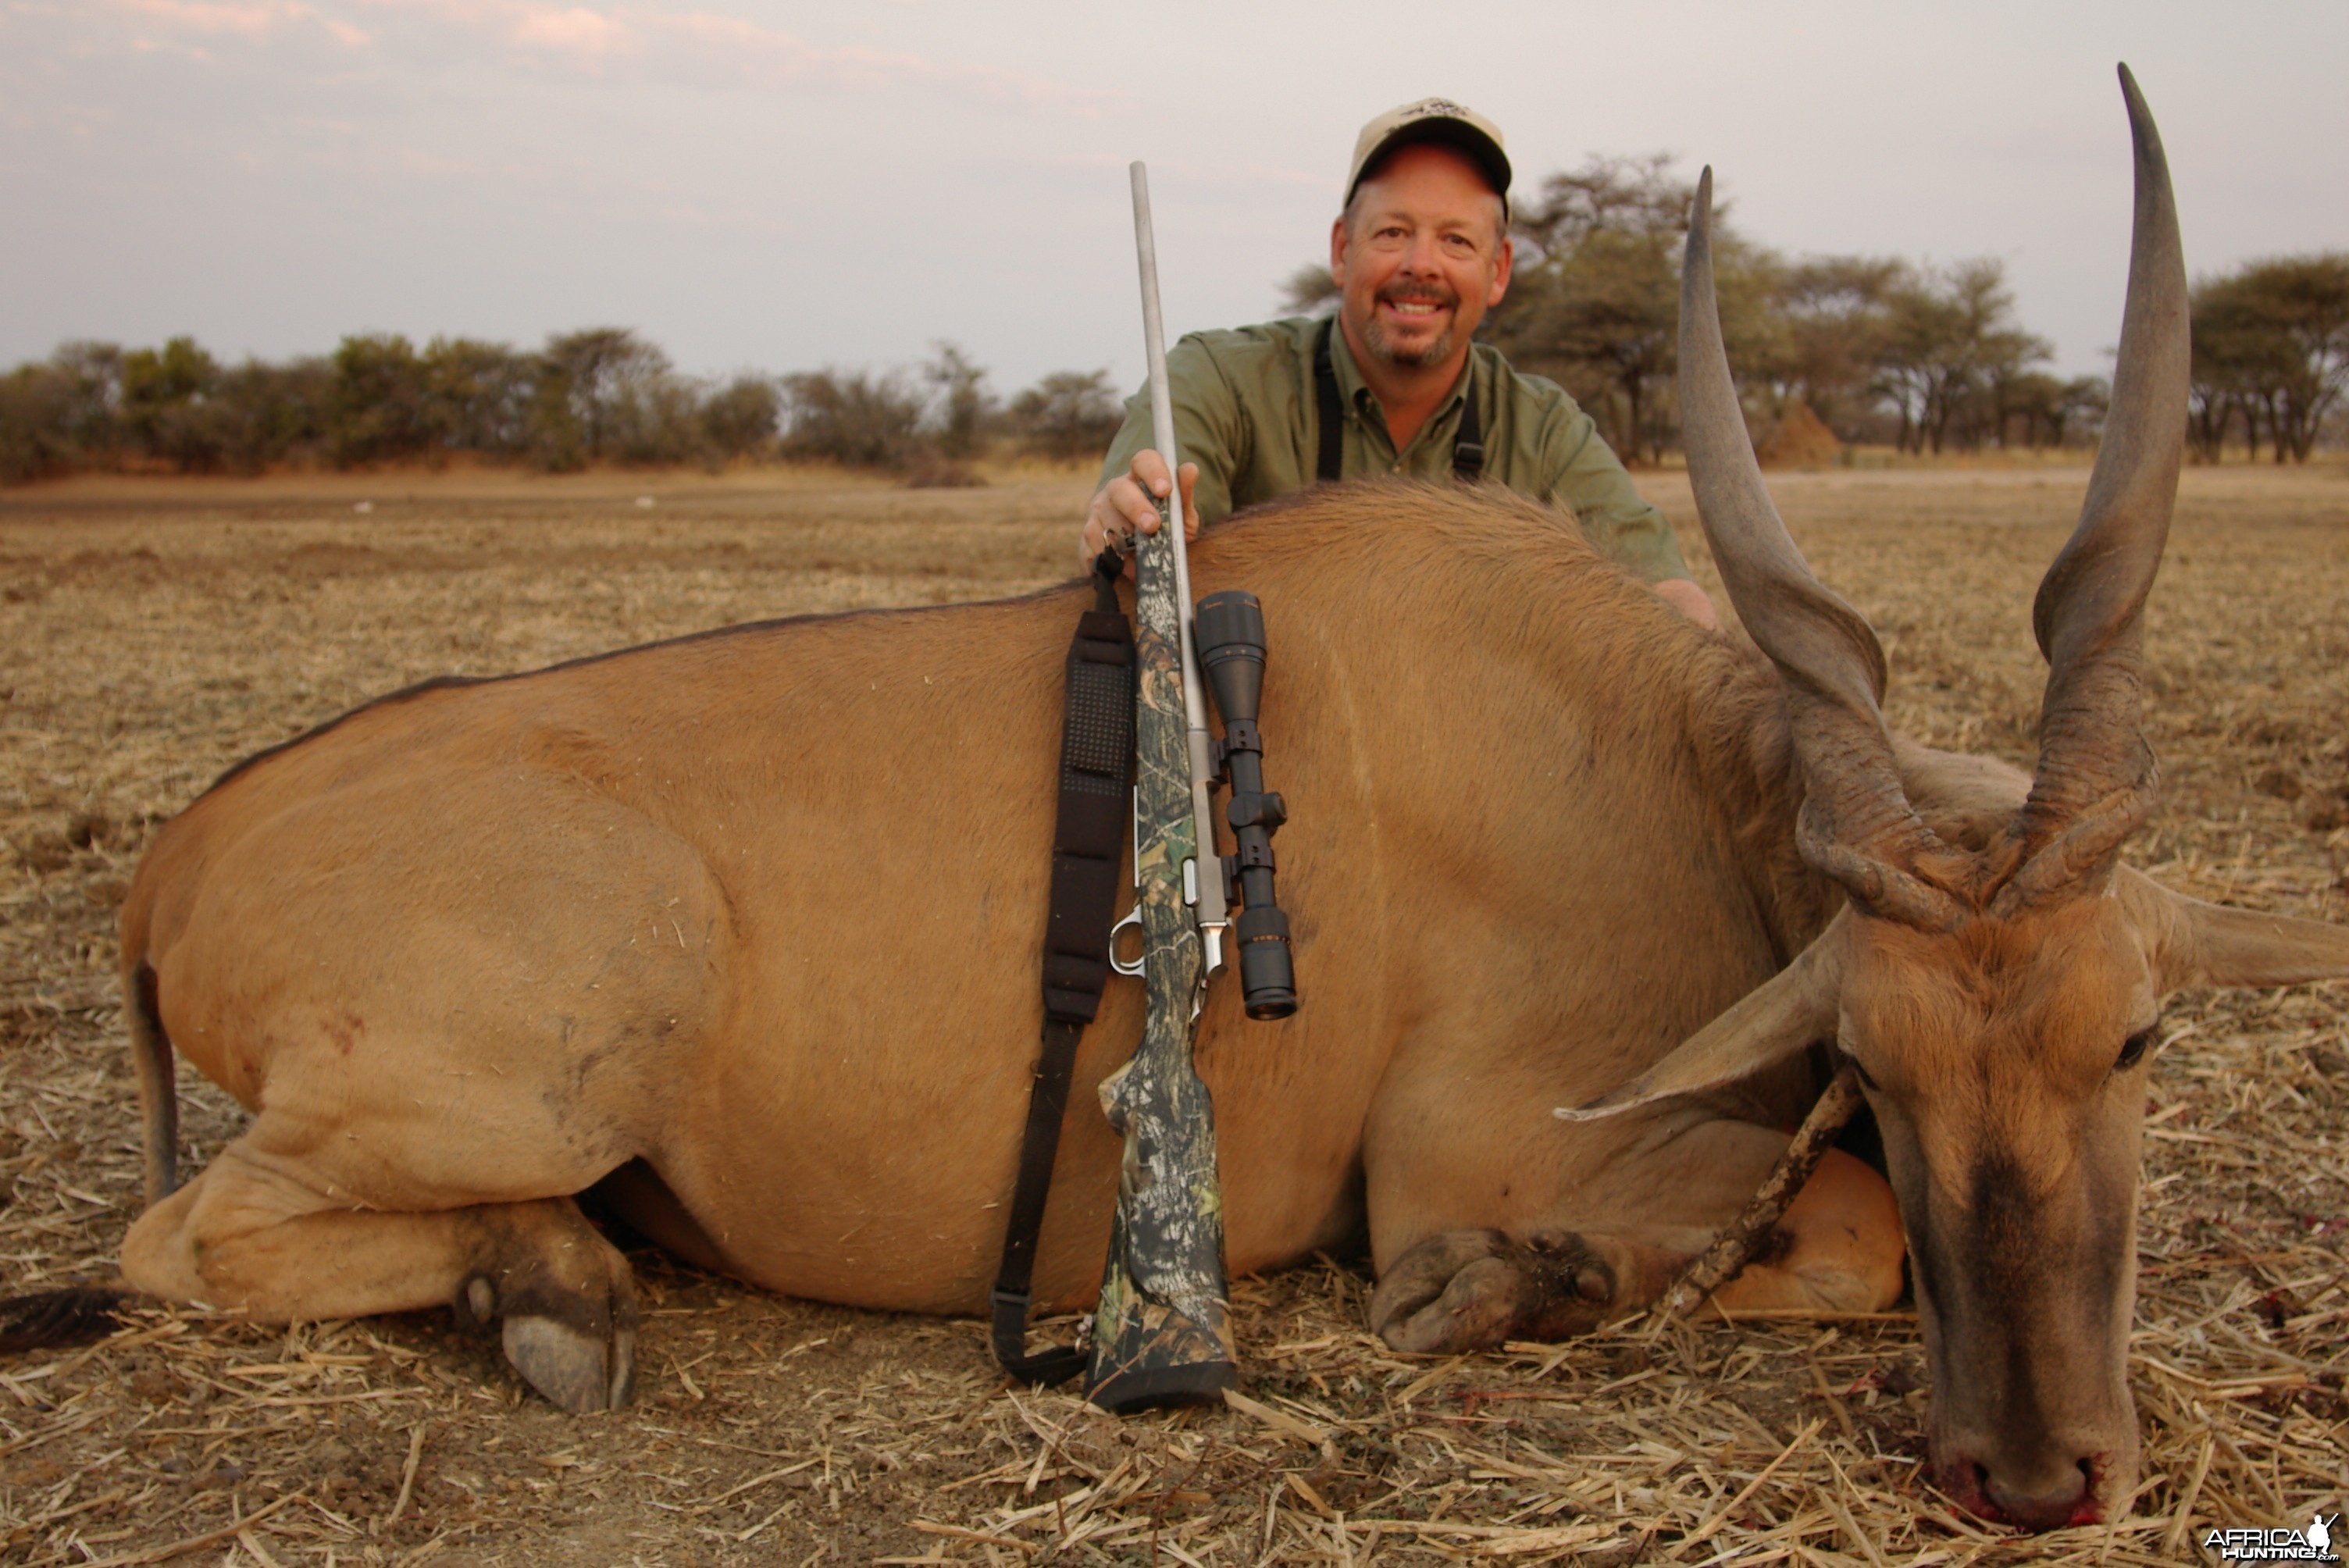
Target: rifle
x,y
1161,1334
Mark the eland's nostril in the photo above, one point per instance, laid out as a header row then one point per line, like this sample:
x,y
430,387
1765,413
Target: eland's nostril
x,y
2060,1497
1965,1482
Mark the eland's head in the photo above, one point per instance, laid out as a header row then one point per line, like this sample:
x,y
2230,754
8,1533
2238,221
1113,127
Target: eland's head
x,y
1999,987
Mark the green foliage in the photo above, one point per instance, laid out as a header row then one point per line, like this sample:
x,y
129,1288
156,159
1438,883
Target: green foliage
x,y
272,413
1879,349
1951,351
378,413
61,416
1595,300
2271,346
35,421
743,419
602,395
477,398
1069,414
857,418
166,405
1310,290
605,393
964,408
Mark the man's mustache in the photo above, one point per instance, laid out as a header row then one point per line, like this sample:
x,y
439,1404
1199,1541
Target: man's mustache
x,y
1420,295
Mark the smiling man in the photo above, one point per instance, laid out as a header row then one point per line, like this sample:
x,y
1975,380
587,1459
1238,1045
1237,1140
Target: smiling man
x,y
1394,383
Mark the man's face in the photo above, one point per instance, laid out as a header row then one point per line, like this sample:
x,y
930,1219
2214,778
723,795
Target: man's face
x,y
1420,258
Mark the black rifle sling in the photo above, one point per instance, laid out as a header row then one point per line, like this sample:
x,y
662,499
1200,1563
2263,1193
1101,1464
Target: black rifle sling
x,y
1088,845
1467,451
1328,414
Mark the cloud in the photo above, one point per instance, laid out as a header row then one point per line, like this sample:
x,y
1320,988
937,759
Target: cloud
x,y
639,42
255,20
707,45
762,53
585,34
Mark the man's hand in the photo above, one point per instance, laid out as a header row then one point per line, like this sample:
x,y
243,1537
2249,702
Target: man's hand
x,y
1122,507
1690,600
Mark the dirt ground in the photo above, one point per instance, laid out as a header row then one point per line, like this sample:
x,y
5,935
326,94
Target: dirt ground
x,y
152,633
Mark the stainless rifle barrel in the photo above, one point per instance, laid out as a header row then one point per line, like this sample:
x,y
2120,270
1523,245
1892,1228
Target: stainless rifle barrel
x,y
1206,874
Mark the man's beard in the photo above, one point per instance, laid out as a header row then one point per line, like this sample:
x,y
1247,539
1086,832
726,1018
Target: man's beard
x,y
1438,348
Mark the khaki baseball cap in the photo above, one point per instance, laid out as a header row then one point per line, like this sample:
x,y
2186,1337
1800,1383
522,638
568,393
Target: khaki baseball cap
x,y
1438,120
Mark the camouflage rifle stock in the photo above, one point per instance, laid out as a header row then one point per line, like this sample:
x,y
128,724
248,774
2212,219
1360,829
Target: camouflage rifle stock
x,y
1161,1334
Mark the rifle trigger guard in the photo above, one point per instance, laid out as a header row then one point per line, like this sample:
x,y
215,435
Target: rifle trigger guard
x,y
1134,919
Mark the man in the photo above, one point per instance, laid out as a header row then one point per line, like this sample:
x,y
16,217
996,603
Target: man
x,y
1420,253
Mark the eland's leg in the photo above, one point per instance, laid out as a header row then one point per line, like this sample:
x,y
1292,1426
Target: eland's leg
x,y
1603,1235
255,1233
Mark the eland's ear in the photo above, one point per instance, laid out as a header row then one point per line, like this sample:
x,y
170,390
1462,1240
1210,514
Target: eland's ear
x,y
1790,1011
2197,943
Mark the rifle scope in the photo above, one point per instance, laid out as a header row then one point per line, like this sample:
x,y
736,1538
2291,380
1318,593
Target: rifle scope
x,y
1229,634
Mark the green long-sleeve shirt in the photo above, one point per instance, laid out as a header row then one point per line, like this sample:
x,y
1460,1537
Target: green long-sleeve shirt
x,y
1244,412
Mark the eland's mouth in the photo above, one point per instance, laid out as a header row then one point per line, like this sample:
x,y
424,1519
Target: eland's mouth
x,y
1969,1484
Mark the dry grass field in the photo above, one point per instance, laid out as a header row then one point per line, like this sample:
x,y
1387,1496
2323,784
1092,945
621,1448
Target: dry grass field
x,y
152,633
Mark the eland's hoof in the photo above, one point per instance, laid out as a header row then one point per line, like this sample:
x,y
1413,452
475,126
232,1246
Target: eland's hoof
x,y
1466,1290
567,1301
578,1370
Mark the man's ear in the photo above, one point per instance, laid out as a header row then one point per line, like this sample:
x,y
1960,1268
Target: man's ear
x,y
1338,251
1501,274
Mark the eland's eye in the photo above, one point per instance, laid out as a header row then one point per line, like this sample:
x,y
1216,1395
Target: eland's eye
x,y
2133,1050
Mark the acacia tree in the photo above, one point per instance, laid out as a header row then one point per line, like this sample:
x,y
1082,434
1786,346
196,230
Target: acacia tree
x,y
1833,320
964,403
1310,290
1069,414
2049,408
2270,342
62,414
477,396
1950,341
1595,300
855,417
743,417
594,389
379,411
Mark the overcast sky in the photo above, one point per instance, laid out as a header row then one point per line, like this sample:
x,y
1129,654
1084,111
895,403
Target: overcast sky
x,y
782,186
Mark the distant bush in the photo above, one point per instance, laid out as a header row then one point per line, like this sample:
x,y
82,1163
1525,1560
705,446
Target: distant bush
x,y
46,424
477,398
743,419
381,402
2271,350
856,419
965,409
1069,414
602,395
268,414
